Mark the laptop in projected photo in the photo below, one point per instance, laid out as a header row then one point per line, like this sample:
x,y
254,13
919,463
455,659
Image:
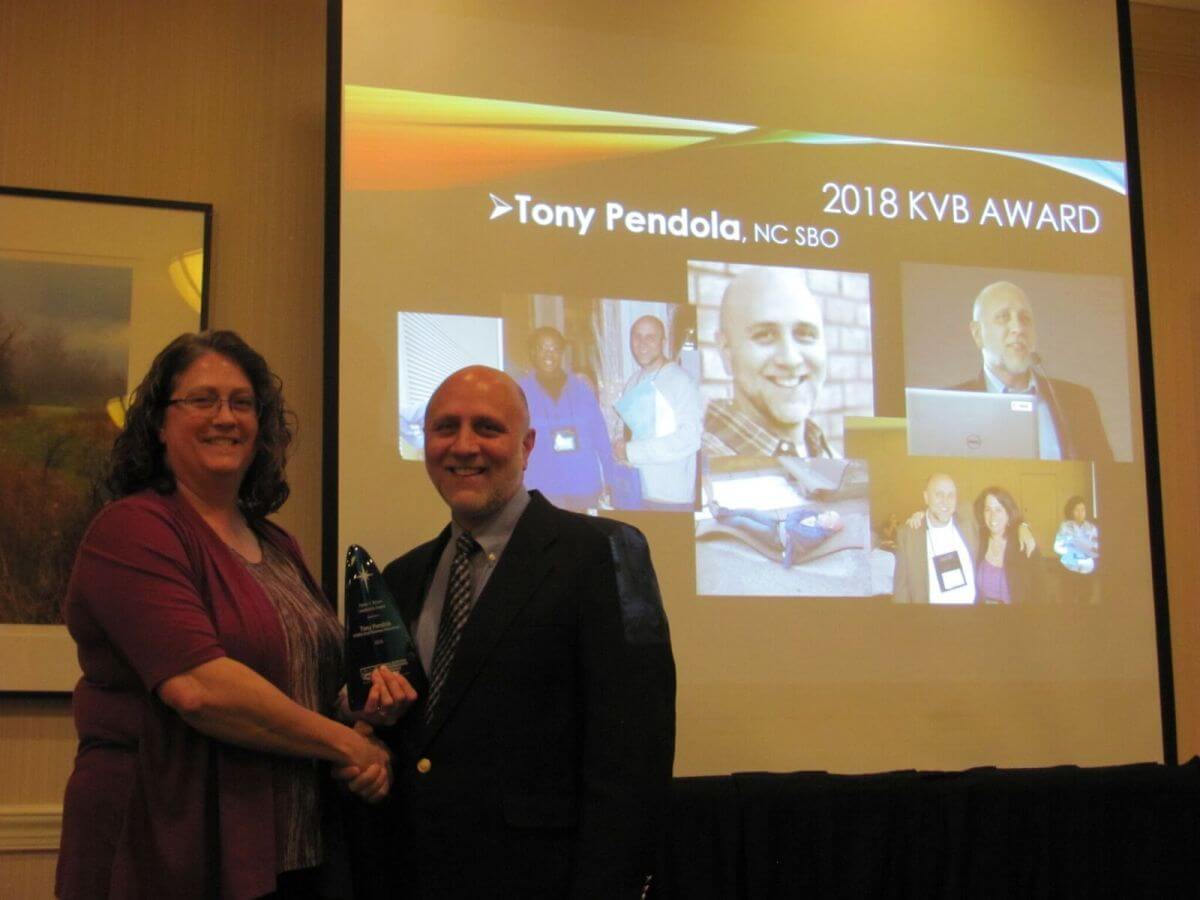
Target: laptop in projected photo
x,y
967,423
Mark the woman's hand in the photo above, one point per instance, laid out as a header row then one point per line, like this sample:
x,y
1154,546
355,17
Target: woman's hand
x,y
227,701
389,698
369,775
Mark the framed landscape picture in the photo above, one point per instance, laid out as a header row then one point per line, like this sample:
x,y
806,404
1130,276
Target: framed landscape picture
x,y
91,288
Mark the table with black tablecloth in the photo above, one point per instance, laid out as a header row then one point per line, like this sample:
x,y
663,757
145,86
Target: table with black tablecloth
x,y
1120,831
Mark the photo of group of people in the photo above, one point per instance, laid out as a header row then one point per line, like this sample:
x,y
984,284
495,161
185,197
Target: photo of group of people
x,y
991,555
612,388
612,392
961,531
747,404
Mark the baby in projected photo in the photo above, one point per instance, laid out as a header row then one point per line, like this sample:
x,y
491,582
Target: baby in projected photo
x,y
412,431
789,539
784,527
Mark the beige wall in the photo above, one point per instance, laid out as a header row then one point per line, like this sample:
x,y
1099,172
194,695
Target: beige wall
x,y
219,101
222,101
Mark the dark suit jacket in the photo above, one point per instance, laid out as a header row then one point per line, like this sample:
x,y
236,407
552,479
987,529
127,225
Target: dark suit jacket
x,y
546,768
1076,417
911,581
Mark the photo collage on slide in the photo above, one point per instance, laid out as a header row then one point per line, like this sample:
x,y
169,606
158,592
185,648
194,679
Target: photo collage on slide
x,y
731,416
747,405
794,395
1016,387
612,387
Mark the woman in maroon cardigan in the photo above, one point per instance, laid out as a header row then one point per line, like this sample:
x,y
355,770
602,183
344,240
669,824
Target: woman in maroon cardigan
x,y
211,663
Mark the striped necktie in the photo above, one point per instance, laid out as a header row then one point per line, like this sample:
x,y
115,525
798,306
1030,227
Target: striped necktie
x,y
455,611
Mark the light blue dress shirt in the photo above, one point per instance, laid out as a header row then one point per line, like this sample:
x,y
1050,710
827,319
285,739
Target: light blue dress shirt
x,y
1048,443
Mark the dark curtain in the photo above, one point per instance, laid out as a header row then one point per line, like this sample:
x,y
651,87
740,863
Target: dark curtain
x,y
1122,831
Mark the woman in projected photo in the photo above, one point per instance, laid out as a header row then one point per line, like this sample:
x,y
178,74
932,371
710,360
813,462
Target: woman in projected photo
x,y
1077,544
211,662
1003,573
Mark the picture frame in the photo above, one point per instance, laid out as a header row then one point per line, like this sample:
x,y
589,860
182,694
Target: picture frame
x,y
92,287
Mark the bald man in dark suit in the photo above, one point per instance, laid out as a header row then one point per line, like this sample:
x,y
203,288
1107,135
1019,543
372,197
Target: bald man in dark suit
x,y
538,764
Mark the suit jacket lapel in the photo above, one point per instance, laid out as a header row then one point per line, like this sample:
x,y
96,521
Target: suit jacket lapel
x,y
1049,394
412,599
520,570
410,595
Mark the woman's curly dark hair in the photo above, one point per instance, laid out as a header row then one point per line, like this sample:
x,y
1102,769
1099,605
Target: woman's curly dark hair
x,y
138,459
1069,508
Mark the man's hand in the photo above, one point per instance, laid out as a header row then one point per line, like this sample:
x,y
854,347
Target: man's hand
x,y
916,520
389,698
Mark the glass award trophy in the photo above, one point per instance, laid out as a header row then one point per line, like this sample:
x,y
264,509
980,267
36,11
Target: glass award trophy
x,y
375,631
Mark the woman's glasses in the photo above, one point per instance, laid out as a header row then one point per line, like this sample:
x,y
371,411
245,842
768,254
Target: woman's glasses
x,y
210,404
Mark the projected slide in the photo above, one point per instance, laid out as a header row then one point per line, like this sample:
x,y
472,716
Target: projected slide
x,y
833,301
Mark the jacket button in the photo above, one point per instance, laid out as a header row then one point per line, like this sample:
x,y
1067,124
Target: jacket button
x,y
424,765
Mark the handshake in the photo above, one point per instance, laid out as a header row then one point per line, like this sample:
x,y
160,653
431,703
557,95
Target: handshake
x,y
367,766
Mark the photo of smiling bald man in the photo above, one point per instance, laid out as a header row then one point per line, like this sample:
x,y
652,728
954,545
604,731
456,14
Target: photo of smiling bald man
x,y
787,386
785,358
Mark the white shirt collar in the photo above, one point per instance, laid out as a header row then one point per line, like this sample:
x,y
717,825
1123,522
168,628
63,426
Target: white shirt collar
x,y
996,386
492,536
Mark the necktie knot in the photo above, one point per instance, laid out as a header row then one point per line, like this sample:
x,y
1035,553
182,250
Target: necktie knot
x,y
466,544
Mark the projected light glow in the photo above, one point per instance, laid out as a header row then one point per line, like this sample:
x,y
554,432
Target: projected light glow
x,y
847,248
393,137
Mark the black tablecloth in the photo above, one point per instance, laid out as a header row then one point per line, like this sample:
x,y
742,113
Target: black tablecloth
x,y
1122,831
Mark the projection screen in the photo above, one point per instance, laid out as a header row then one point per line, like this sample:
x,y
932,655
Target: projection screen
x,y
825,298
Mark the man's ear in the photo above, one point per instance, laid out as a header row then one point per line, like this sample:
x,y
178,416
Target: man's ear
x,y
977,334
527,443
